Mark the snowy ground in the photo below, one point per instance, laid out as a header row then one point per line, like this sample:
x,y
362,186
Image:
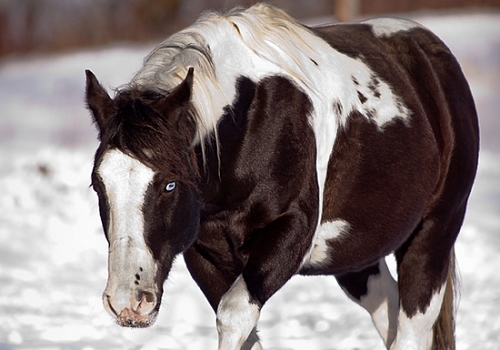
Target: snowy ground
x,y
53,254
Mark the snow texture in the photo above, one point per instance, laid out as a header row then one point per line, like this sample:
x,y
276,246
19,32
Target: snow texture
x,y
53,254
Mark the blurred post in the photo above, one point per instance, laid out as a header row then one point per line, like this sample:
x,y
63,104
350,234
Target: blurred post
x,y
346,10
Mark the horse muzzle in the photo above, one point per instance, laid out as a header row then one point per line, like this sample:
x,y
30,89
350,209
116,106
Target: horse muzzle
x,y
139,309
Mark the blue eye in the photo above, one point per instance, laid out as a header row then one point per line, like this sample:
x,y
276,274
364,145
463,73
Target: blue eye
x,y
170,187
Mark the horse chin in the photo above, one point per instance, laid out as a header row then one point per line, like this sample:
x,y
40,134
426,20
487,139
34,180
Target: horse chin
x,y
132,319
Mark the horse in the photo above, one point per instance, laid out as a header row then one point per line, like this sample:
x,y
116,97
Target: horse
x,y
260,149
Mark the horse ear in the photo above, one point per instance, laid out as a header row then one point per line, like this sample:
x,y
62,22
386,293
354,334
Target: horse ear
x,y
178,96
98,101
182,92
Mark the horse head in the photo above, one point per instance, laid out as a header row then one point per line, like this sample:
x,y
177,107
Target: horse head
x,y
145,177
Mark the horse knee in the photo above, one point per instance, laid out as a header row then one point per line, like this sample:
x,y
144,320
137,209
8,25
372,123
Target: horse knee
x,y
236,317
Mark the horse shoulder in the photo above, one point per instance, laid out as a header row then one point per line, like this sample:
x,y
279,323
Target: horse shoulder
x,y
265,169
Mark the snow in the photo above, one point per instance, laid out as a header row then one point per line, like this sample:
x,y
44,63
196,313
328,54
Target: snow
x,y
53,254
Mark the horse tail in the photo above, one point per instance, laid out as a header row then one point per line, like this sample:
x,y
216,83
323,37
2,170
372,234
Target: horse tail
x,y
444,328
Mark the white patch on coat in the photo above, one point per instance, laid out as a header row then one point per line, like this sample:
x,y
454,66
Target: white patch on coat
x,y
416,332
281,46
236,316
327,231
383,108
126,181
382,302
389,26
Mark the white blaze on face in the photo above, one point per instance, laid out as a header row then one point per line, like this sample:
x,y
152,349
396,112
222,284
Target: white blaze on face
x,y
131,266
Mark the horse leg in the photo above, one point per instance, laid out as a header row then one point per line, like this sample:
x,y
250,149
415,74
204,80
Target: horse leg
x,y
215,285
274,256
376,291
426,287
237,318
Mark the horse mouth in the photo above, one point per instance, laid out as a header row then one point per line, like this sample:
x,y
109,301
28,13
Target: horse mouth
x,y
128,317
131,319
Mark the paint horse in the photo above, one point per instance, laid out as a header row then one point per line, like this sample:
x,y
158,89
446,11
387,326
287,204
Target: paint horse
x,y
260,149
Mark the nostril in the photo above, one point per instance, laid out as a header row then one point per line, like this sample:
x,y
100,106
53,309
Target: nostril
x,y
147,302
149,297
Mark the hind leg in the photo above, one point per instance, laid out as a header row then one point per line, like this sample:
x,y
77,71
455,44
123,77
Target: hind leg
x,y
425,265
415,330
376,291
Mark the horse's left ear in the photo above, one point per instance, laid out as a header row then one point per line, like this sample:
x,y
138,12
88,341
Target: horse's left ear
x,y
178,97
99,102
182,92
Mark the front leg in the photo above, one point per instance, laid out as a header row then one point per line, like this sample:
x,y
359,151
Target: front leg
x,y
237,317
275,254
216,285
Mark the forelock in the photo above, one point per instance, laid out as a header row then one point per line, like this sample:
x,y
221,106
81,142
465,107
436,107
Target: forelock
x,y
140,131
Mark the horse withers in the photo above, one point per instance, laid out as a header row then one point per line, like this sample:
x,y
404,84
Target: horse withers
x,y
260,149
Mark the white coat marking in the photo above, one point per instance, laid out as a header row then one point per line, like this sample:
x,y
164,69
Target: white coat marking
x,y
126,181
389,26
327,231
236,316
416,333
382,302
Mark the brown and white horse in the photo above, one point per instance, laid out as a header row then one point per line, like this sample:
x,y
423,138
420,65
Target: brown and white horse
x,y
260,149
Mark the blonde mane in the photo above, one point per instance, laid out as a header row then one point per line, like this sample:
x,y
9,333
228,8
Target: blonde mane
x,y
265,30
264,41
